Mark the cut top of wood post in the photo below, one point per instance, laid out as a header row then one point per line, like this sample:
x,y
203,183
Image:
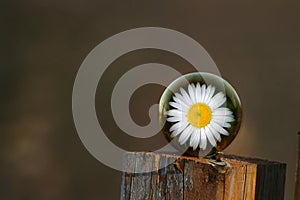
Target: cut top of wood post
x,y
198,178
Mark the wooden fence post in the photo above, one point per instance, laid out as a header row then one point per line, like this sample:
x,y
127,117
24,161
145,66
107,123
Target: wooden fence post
x,y
195,178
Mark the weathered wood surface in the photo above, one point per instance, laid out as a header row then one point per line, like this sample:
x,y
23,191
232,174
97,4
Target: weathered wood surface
x,y
194,178
297,187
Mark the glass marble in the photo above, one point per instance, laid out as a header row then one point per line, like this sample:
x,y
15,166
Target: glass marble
x,y
232,102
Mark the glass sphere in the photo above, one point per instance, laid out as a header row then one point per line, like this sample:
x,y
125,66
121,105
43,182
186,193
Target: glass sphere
x,y
200,114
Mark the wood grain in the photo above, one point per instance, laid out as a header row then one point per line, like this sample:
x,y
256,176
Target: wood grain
x,y
198,178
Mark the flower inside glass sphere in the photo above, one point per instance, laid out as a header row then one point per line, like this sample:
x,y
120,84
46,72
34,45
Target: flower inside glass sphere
x,y
201,111
198,116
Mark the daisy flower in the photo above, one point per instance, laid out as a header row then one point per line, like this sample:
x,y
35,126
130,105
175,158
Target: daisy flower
x,y
198,116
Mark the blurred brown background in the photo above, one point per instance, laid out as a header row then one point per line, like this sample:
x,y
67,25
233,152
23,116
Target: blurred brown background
x,y
255,44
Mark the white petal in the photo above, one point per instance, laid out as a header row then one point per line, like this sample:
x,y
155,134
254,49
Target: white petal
x,y
217,100
181,126
218,128
210,94
178,126
222,111
180,99
186,97
230,116
179,106
174,119
214,132
221,122
175,112
210,137
226,118
203,92
207,93
194,87
192,140
184,136
203,141
175,133
195,139
192,93
198,92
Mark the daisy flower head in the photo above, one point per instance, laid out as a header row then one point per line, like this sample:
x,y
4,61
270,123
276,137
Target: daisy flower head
x,y
198,116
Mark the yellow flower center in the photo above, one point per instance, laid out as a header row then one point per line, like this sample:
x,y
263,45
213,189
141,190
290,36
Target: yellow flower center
x,y
199,115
